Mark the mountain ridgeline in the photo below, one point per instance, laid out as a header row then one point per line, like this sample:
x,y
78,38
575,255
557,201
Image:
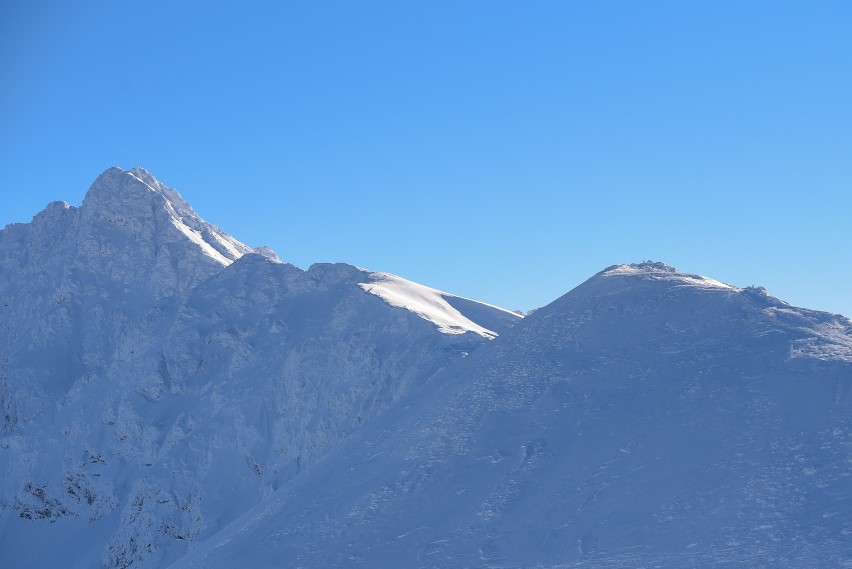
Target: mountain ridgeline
x,y
159,377
171,397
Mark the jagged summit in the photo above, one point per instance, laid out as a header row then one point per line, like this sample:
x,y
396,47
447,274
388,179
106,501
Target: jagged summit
x,y
158,377
267,252
115,184
136,202
133,229
147,177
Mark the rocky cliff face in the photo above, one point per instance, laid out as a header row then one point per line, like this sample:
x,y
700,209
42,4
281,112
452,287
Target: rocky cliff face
x,y
158,377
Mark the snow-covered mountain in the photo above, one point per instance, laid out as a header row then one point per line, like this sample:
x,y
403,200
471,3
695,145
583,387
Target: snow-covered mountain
x,y
171,397
158,377
648,418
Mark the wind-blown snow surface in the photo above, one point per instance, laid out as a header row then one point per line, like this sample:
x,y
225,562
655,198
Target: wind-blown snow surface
x,y
648,418
158,378
439,307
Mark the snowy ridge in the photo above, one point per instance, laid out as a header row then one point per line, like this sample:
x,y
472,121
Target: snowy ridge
x,y
158,377
172,398
428,303
823,336
634,422
121,192
213,241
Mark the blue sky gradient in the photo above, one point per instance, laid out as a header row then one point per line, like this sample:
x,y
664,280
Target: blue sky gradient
x,y
504,151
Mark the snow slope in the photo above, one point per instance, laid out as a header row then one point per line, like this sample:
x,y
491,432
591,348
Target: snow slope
x,y
158,377
648,418
442,309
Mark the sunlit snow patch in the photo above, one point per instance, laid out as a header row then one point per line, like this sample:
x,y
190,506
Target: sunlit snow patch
x,y
216,244
196,238
428,303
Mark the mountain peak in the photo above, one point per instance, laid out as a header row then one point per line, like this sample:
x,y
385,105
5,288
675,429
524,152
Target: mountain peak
x,y
268,253
142,233
656,270
139,203
115,188
136,187
145,176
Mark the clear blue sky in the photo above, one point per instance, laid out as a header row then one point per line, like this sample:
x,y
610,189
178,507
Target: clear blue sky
x,y
504,151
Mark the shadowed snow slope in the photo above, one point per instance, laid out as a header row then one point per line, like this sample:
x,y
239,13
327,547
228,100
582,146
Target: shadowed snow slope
x,y
648,418
158,378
